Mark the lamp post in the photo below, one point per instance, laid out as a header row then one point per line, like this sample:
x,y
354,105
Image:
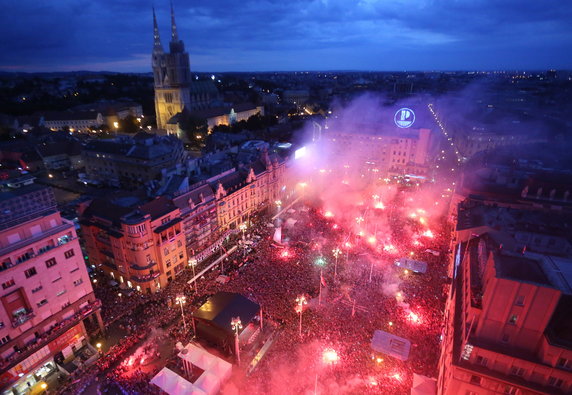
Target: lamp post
x,y
98,346
243,228
336,252
320,261
236,325
192,264
300,302
180,300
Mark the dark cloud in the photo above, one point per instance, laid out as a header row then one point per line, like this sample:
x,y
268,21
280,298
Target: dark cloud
x,y
295,34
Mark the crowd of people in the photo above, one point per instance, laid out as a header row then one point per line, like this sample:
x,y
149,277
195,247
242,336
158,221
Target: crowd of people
x,y
346,304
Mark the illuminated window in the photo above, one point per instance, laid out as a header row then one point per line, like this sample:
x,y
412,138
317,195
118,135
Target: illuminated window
x,y
512,319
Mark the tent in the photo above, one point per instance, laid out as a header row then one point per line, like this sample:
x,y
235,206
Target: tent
x,y
213,318
215,372
390,344
173,384
423,385
411,264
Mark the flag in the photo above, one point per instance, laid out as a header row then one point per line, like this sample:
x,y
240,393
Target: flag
x,y
278,235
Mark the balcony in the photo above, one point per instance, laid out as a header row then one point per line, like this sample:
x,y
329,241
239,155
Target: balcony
x,y
25,242
22,319
147,278
146,267
49,335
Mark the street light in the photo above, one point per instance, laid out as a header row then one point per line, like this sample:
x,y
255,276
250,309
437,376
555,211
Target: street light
x,y
243,228
192,264
98,346
320,261
180,300
236,325
336,252
300,302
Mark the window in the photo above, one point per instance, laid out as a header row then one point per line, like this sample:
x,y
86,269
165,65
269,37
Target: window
x,y
517,371
179,243
67,304
519,300
166,251
555,382
37,289
51,262
8,284
42,302
78,282
510,390
5,339
74,270
564,363
30,272
505,338
63,291
168,264
475,380
69,253
482,361
165,220
168,273
57,279
512,319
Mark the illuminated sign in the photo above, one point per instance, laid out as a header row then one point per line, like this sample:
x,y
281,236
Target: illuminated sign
x,y
404,117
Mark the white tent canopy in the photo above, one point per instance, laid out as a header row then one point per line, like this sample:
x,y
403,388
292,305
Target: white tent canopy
x,y
172,383
423,385
215,372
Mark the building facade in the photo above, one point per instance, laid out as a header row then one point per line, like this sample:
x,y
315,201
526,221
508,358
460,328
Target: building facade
x,y
384,152
143,248
132,161
507,325
46,295
171,75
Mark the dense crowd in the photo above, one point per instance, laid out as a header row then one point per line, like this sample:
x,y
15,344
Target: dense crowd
x,y
343,315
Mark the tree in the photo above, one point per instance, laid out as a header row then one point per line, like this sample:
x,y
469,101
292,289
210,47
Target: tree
x,y
129,124
195,128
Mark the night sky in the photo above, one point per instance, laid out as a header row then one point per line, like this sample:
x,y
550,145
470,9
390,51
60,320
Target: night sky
x,y
268,35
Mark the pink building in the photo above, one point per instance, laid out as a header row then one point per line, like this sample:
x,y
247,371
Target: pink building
x,y
46,295
508,321
143,248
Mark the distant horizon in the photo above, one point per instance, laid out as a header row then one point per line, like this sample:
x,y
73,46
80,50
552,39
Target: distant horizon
x,y
267,36
299,71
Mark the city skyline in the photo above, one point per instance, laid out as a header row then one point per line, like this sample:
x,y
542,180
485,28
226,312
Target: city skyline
x,y
274,36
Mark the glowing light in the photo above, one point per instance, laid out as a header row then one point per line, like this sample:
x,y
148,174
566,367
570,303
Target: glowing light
x,y
361,233
335,226
406,271
320,261
285,254
330,356
379,360
422,221
390,323
397,376
348,245
300,153
328,214
322,171
416,243
359,220
371,239
379,206
414,317
428,233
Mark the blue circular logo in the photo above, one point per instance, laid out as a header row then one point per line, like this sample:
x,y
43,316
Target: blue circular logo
x,y
404,117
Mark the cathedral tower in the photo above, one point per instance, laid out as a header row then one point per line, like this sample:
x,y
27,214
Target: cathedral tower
x,y
171,74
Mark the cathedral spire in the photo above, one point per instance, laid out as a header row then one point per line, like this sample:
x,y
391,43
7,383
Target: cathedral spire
x,y
157,47
174,35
